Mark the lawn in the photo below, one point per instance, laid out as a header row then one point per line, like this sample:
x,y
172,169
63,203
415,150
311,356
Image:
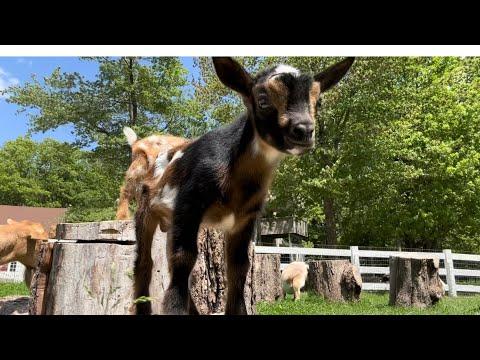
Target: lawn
x,y
369,304
13,289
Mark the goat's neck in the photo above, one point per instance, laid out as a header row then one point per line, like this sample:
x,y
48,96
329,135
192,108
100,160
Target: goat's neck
x,y
261,150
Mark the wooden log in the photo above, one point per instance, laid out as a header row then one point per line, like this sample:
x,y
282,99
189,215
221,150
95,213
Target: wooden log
x,y
415,281
335,280
268,285
39,281
92,273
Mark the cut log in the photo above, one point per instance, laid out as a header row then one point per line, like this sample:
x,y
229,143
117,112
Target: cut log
x,y
92,272
335,280
415,281
268,285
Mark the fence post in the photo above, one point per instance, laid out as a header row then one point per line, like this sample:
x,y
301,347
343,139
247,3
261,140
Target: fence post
x,y
354,257
452,291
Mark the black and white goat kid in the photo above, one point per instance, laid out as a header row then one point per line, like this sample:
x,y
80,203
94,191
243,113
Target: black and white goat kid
x,y
221,179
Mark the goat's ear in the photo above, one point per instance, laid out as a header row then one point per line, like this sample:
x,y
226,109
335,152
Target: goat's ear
x,y
233,75
333,74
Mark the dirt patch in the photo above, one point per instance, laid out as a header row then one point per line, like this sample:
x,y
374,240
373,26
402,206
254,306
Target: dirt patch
x,y
14,305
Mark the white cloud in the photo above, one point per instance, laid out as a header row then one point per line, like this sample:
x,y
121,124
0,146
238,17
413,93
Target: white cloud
x,y
6,80
25,61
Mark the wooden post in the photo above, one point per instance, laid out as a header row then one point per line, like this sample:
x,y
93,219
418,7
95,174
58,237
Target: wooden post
x,y
39,283
452,291
354,257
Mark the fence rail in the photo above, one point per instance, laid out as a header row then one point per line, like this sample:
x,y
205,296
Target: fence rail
x,y
364,259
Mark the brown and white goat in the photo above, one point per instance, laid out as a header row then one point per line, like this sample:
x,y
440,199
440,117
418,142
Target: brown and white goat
x,y
20,241
144,154
293,278
222,178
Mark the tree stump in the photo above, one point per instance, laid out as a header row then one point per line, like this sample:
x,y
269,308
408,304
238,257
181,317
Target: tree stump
x,y
415,281
335,280
92,271
268,285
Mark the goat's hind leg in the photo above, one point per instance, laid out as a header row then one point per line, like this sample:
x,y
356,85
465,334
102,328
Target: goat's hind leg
x,y
182,253
145,226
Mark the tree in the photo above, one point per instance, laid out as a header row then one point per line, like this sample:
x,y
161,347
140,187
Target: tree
x,y
33,174
143,93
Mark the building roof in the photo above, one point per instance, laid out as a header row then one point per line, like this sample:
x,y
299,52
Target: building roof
x,y
45,216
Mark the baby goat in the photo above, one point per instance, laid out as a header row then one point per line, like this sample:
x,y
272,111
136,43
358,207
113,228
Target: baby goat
x,y
221,179
144,154
20,241
293,278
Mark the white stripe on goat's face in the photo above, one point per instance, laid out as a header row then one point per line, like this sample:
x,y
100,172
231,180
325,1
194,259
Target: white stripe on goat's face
x,y
282,69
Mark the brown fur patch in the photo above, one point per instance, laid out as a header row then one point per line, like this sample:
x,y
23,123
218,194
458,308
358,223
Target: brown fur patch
x,y
314,96
278,95
144,154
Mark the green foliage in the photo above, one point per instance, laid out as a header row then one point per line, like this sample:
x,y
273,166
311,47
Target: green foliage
x,y
143,93
55,174
370,304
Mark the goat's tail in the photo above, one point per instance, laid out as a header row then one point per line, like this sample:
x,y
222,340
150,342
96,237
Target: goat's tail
x,y
130,134
145,226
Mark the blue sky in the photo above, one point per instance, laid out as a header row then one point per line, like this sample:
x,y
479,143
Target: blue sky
x,y
18,70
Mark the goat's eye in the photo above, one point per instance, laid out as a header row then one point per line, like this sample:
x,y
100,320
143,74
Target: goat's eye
x,y
263,102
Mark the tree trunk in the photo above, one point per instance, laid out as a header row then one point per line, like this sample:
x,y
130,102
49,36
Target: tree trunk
x,y
268,285
329,210
336,280
132,104
415,281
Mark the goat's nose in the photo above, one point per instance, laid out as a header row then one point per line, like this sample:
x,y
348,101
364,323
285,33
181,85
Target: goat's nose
x,y
302,132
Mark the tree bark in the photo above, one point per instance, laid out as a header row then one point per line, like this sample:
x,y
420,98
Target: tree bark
x,y
335,280
39,281
415,281
132,103
268,285
330,226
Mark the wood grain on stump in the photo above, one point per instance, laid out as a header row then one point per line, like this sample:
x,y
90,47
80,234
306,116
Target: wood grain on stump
x,y
268,285
335,280
415,281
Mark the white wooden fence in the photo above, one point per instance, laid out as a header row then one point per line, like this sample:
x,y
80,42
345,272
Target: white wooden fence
x,y
14,273
355,255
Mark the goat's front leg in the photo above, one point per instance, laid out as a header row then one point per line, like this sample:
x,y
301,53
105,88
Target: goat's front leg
x,y
182,253
237,268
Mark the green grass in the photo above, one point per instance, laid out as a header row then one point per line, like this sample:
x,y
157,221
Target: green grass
x,y
369,304
13,289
